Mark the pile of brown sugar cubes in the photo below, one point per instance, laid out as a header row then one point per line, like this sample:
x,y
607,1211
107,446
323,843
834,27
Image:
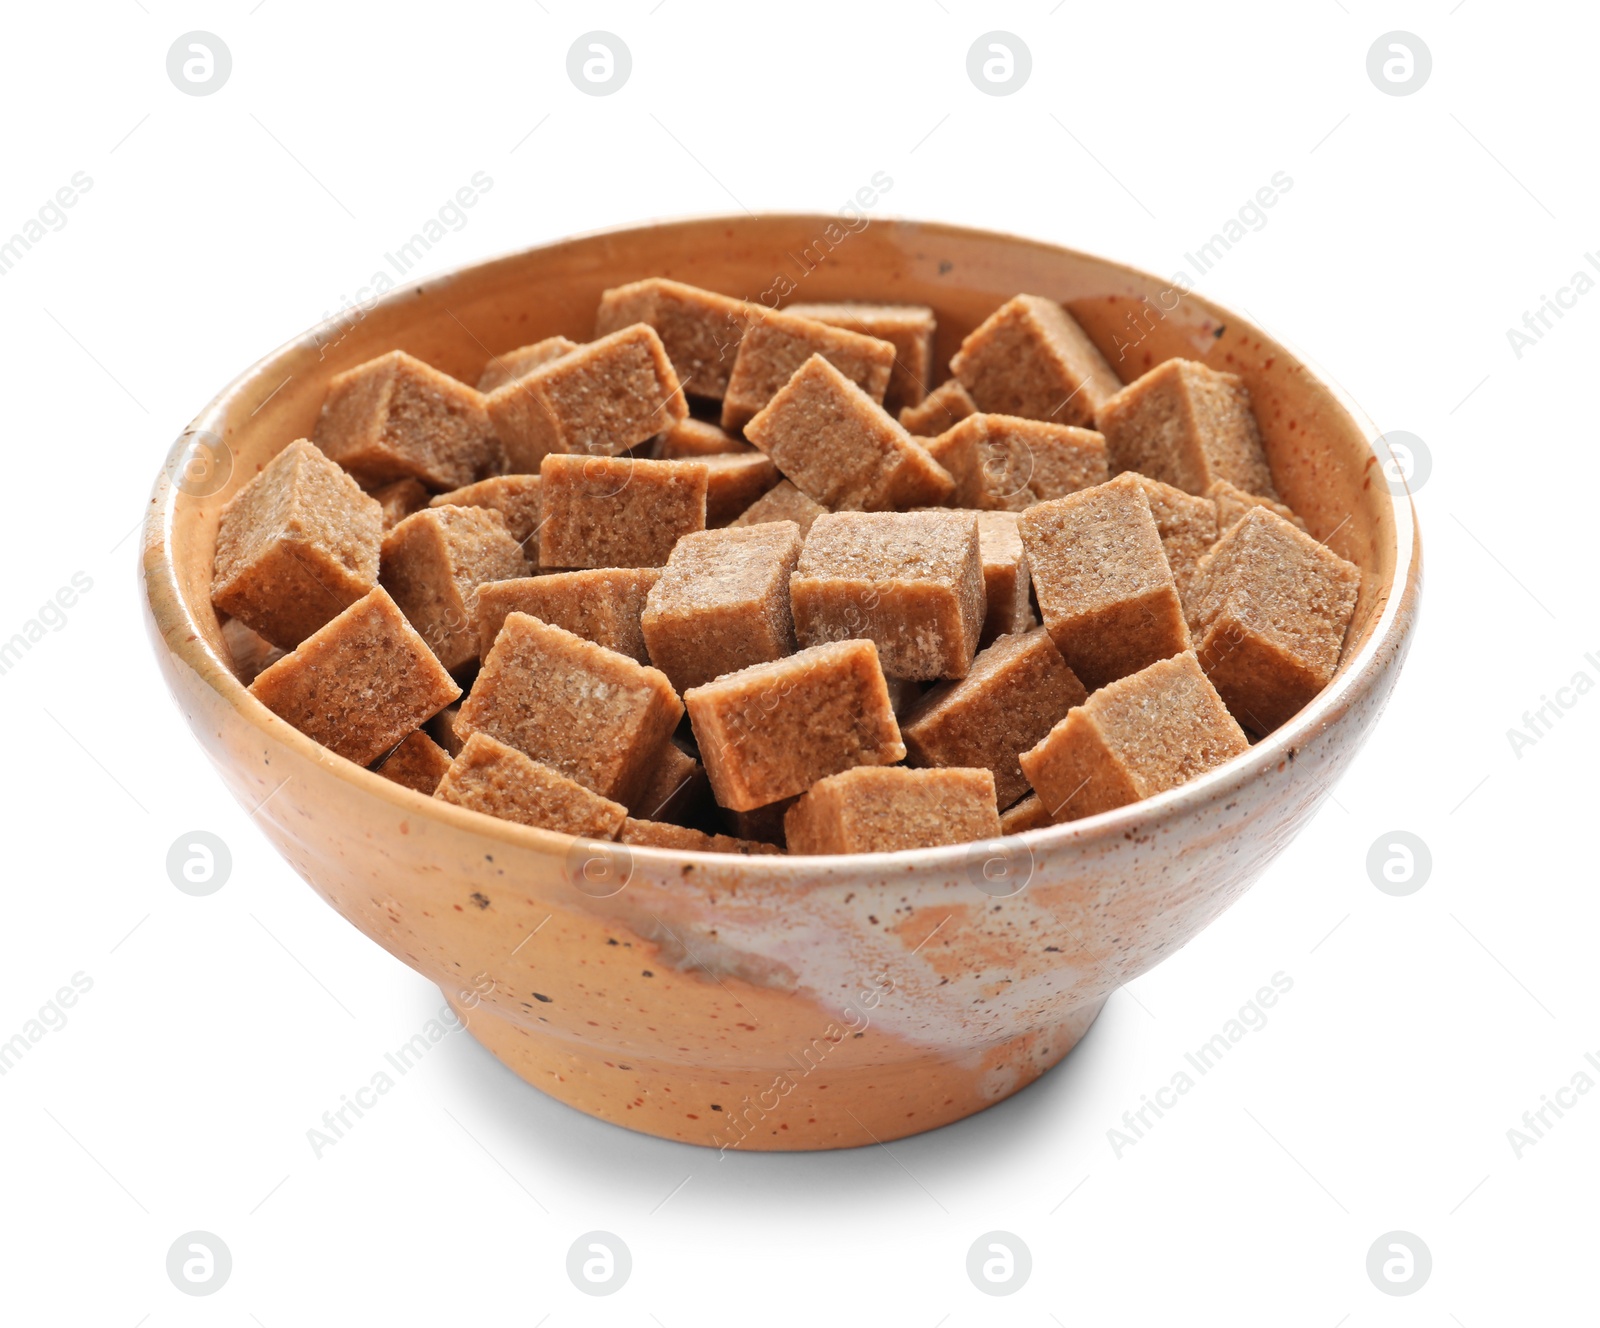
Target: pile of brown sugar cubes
x,y
733,579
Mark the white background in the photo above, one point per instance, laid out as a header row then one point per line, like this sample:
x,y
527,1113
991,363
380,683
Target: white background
x,y
218,1030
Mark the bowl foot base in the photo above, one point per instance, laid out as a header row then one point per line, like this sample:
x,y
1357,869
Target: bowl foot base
x,y
841,1094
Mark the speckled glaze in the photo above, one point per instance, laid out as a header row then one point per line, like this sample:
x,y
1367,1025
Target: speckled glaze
x,y
784,1003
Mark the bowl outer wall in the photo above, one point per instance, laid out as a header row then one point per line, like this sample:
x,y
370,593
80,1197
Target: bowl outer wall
x,y
946,978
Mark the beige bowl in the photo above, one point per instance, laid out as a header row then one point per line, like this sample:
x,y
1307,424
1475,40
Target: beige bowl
x,y
780,1003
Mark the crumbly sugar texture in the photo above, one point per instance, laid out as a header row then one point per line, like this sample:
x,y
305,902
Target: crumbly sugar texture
x,y
1269,609
722,603
515,497
942,409
909,328
497,780
691,439
433,563
911,582
734,481
503,369
1232,503
296,546
676,788
359,684
1006,582
601,605
680,838
1132,739
1030,358
771,731
598,400
418,763
1006,463
700,329
1017,691
1187,526
777,344
618,511
588,713
868,810
1105,590
1187,425
782,502
395,417
400,499
837,445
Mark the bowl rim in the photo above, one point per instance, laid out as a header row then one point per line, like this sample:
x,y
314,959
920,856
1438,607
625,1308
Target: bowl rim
x,y
165,603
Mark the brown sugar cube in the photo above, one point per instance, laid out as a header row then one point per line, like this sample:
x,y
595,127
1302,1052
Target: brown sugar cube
x,y
433,563
515,497
1005,576
903,694
395,417
1104,587
1233,502
249,652
735,481
602,606
762,825
618,511
942,409
691,439
777,344
912,582
909,328
869,810
498,780
1134,738
1030,358
722,603
840,448
771,731
676,787
1187,425
359,684
297,545
503,369
399,500
782,502
442,729
589,713
1006,463
600,399
659,834
418,762
700,329
1269,607
1187,526
1017,691
1029,814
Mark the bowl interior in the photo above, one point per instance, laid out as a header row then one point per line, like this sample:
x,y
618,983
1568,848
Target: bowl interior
x,y
1319,446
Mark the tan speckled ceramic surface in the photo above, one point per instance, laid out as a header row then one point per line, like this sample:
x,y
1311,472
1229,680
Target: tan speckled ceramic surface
x,y
785,1003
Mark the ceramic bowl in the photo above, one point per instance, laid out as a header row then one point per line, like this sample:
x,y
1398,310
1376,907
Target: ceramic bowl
x,y
772,1002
